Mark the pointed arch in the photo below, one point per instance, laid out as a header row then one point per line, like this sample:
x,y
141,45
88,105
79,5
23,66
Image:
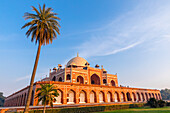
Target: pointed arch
x,y
156,96
122,95
153,95
54,78
113,83
143,98
146,95
71,97
80,80
95,79
59,98
60,79
101,97
138,97
93,97
104,81
150,95
128,96
134,96
109,97
159,96
68,77
116,97
82,97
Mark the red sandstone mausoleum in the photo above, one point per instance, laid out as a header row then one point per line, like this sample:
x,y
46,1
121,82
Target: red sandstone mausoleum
x,y
80,83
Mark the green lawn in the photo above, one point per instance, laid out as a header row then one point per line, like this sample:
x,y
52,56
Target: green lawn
x,y
141,110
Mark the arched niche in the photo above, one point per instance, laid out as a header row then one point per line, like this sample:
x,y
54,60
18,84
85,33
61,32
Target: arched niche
x,y
116,97
143,98
71,97
109,96
101,97
138,97
113,83
134,96
68,77
92,97
128,96
60,79
95,79
82,97
59,98
104,81
122,95
54,78
80,80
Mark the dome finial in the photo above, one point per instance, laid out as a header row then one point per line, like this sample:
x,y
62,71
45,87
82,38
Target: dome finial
x,y
77,54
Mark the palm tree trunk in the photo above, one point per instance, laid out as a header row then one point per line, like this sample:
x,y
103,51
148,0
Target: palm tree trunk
x,y
32,79
44,108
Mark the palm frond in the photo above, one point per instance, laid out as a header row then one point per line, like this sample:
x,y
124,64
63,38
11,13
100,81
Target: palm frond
x,y
44,25
34,9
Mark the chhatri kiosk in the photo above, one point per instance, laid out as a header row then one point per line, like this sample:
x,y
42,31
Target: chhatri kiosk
x,y
79,83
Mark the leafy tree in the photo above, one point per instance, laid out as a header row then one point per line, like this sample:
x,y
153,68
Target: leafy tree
x,y
165,93
43,28
2,99
161,103
46,94
153,103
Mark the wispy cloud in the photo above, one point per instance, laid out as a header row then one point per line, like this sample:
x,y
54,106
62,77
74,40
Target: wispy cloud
x,y
22,78
147,23
27,77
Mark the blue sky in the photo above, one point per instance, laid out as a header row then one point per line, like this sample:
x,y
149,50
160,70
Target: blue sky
x,y
128,37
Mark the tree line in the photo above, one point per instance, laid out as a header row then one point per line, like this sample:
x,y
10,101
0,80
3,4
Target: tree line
x,y
165,93
2,99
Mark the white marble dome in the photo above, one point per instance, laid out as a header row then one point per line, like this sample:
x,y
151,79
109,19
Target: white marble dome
x,y
78,61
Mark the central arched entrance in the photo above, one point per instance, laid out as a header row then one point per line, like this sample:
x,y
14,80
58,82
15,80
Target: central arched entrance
x,y
95,79
80,80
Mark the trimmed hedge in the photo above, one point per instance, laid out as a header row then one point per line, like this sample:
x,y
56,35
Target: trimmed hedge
x,y
89,109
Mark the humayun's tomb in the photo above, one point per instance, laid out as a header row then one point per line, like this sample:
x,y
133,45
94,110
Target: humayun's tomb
x,y
79,83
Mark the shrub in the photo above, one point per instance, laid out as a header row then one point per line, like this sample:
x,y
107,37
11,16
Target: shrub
x,y
167,103
161,103
153,103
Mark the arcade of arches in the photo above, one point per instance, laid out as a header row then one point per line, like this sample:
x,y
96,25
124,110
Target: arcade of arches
x,y
90,94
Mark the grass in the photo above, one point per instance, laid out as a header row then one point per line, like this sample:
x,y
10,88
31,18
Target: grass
x,y
141,110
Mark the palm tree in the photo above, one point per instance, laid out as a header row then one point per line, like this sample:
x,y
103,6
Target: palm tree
x,y
43,28
46,94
